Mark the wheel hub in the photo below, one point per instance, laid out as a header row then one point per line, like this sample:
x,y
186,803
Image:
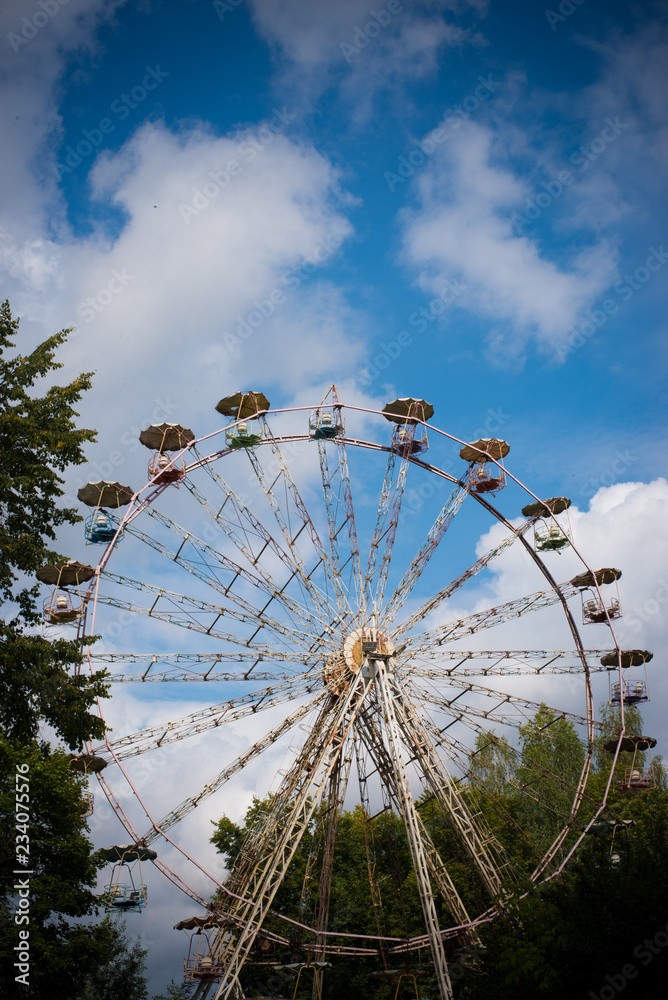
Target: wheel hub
x,y
360,645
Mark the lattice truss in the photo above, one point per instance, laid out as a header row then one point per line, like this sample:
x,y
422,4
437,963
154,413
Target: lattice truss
x,y
335,606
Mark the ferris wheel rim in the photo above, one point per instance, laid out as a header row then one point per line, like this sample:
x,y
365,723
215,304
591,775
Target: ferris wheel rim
x,y
150,493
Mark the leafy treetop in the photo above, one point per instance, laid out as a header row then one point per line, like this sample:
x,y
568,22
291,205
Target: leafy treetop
x,y
38,439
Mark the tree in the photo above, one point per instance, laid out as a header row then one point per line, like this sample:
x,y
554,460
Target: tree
x,y
46,854
38,440
42,819
176,991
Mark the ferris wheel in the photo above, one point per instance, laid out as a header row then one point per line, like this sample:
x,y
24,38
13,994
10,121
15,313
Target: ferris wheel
x,y
319,564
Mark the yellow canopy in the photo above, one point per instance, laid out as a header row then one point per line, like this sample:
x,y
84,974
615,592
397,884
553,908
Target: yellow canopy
x,y
66,573
400,411
474,452
166,437
243,405
584,580
105,493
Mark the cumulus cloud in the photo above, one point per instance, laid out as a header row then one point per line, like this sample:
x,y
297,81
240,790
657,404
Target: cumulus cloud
x,y
373,48
462,228
36,46
624,526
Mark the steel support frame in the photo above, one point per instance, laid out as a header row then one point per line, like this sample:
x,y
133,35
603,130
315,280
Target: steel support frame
x,y
442,786
274,848
386,698
373,742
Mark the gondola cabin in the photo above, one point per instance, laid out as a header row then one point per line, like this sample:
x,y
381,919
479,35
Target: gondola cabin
x,y
485,457
637,779
203,963
126,891
549,537
165,470
596,610
634,691
409,433
242,435
323,424
100,527
639,774
409,439
61,608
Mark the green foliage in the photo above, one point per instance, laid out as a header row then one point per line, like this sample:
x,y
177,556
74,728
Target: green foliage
x,y
567,937
574,935
176,991
68,960
36,686
38,439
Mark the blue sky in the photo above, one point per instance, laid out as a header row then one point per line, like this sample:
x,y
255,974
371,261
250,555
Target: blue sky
x,y
459,201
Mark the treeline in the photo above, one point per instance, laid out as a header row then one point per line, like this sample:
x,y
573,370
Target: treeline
x,y
598,923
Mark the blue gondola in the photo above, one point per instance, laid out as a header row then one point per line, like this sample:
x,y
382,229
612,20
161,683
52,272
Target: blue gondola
x,y
100,527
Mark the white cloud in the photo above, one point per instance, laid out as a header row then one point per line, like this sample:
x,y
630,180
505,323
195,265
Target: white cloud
x,y
206,266
32,59
625,526
376,47
463,229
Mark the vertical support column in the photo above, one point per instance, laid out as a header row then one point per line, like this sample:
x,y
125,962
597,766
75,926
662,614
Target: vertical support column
x,y
412,827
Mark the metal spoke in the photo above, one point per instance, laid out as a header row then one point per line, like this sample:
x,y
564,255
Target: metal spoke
x,y
187,806
338,496
436,533
387,520
210,718
413,829
491,617
252,539
440,735
472,571
292,517
205,667
189,607
505,662
501,698
210,563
